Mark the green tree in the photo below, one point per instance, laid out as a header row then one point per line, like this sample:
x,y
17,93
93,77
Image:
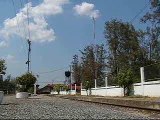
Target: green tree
x,y
2,66
100,62
88,66
152,41
125,79
76,68
124,49
92,65
66,88
2,71
87,86
9,85
27,80
152,19
58,88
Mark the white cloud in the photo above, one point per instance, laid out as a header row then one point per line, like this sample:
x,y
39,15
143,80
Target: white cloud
x,y
9,57
3,44
87,9
39,29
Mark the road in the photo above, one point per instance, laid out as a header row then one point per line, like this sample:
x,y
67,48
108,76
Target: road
x,y
46,107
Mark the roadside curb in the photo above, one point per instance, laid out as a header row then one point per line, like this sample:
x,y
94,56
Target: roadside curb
x,y
146,105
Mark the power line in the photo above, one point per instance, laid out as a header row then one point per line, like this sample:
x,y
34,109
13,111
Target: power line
x,y
52,71
50,82
135,17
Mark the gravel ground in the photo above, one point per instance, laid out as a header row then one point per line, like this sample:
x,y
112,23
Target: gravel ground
x,y
46,107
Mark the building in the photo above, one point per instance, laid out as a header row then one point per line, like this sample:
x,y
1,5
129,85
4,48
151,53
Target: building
x,y
45,90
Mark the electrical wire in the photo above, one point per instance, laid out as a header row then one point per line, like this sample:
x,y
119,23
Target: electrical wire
x,y
135,17
52,71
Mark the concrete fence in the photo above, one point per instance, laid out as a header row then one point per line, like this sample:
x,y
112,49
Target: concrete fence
x,y
71,92
105,91
151,89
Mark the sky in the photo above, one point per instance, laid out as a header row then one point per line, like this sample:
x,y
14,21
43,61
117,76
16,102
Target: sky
x,y
58,29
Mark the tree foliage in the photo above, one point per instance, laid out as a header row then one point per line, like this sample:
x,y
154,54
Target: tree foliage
x,y
128,49
100,61
152,18
125,80
124,47
76,68
152,40
26,80
60,87
87,87
2,66
93,64
88,65
8,85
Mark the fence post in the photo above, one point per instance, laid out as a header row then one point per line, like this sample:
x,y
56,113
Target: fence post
x,y
95,83
106,82
142,79
75,87
95,86
35,89
81,88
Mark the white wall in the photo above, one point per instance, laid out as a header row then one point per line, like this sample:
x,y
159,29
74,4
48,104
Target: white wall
x,y
72,92
54,93
151,89
105,91
102,91
115,91
138,89
83,92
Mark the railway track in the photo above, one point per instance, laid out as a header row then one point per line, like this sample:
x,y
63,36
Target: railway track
x,y
120,105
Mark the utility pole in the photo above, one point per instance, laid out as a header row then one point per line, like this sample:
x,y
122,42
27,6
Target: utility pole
x,y
94,28
29,53
94,38
71,77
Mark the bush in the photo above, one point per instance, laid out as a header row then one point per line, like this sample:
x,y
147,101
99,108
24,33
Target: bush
x,y
31,90
27,80
125,79
21,89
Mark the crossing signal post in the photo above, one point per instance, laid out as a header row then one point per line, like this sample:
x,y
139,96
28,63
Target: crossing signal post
x,y
68,76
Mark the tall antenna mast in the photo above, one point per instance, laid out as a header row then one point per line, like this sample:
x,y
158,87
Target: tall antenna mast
x,y
94,28
28,41
29,53
94,38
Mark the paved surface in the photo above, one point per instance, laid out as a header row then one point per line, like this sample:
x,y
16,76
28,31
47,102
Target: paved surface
x,y
43,107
